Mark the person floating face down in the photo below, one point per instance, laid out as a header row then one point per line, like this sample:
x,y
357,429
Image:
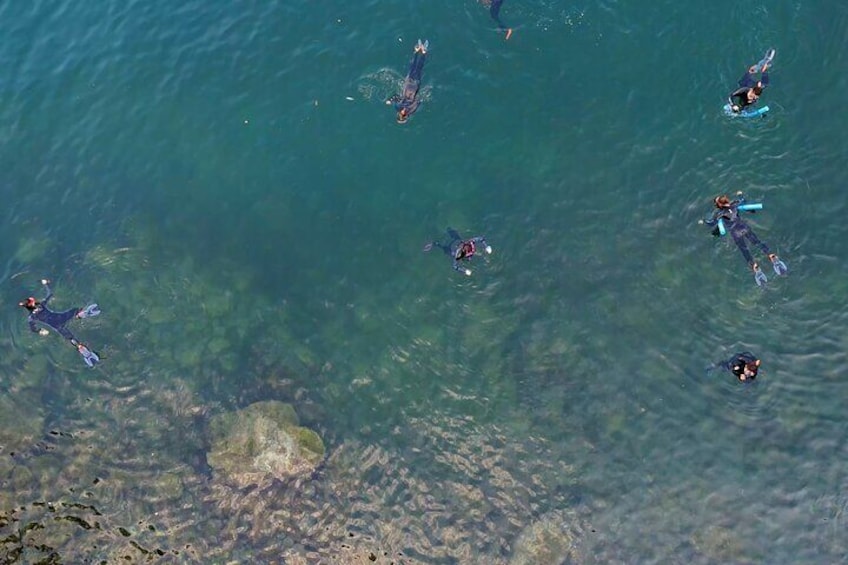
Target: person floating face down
x,y
744,365
727,212
495,12
750,88
40,314
406,103
460,250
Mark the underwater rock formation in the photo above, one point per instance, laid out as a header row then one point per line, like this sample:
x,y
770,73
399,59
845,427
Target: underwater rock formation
x,y
262,442
547,540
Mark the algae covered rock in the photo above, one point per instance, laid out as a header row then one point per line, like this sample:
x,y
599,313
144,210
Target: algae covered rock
x,y
548,540
262,442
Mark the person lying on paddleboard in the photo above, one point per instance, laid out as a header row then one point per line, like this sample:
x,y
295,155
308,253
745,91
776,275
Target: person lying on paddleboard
x,y
39,313
495,11
407,102
744,365
750,88
460,249
726,218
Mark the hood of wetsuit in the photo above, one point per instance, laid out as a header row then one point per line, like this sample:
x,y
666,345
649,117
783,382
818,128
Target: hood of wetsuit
x,y
722,201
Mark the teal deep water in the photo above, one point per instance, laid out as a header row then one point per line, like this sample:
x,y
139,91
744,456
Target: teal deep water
x,y
224,179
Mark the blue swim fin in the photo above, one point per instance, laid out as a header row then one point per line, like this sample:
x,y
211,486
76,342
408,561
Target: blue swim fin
x,y
89,311
759,276
779,266
766,60
90,357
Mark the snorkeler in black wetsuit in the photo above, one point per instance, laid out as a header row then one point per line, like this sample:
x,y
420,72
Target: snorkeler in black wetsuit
x,y
750,89
460,249
744,365
726,218
407,102
39,313
495,12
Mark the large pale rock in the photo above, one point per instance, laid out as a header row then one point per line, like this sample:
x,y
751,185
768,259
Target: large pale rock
x,y
262,442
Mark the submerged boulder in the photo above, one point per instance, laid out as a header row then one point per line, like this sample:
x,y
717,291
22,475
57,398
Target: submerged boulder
x,y
547,540
260,443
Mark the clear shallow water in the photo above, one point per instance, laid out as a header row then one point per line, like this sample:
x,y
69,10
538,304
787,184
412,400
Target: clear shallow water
x,y
250,233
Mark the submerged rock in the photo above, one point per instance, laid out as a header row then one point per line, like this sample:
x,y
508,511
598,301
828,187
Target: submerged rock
x,y
262,442
548,540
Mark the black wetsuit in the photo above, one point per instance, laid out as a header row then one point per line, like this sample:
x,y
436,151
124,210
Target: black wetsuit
x,y
54,320
454,247
737,364
39,313
739,97
408,99
739,230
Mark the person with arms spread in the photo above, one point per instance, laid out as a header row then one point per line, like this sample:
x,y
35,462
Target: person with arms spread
x,y
750,88
407,102
460,250
39,313
726,218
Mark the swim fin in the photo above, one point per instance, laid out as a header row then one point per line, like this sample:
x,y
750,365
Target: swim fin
x,y
766,60
779,266
759,276
90,357
89,311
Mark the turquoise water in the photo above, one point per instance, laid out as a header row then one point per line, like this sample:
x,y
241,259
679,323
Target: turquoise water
x,y
225,181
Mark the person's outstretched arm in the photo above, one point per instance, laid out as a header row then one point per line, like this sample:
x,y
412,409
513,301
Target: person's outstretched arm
x,y
481,240
49,295
458,266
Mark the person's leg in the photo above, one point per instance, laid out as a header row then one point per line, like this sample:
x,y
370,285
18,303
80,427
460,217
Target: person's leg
x,y
747,80
495,12
444,247
66,333
57,320
779,266
752,237
738,235
416,68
